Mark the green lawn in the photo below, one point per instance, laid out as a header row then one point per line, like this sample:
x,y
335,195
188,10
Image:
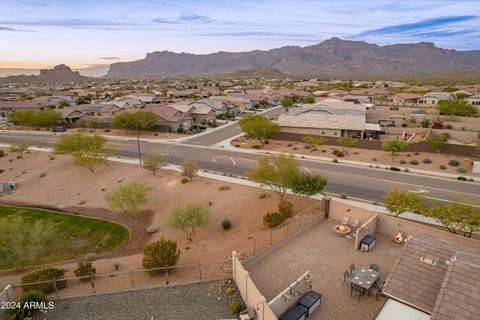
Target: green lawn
x,y
89,233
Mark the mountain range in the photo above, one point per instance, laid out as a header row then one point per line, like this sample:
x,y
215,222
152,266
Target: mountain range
x,y
333,58
330,57
60,73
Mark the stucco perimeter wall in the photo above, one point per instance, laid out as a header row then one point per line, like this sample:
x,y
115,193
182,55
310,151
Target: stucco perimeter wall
x,y
249,292
340,210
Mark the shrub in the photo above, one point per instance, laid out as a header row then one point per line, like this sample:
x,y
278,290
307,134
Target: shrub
x,y
394,169
85,269
285,208
2,153
234,307
294,148
47,274
413,162
273,219
41,175
454,163
264,195
152,229
229,291
416,153
461,170
160,254
24,302
335,151
117,265
224,188
427,161
335,160
406,170
256,146
374,159
343,196
226,224
443,167
91,257
184,180
403,162
461,178
340,154
180,130
308,147
448,126
267,141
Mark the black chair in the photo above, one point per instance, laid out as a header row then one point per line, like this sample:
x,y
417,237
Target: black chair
x,y
347,277
375,267
352,269
354,289
376,288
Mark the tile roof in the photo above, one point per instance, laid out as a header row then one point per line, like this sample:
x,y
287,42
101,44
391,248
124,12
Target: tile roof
x,y
328,114
417,277
459,296
166,113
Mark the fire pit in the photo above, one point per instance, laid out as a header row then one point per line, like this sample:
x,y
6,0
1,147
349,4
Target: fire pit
x,y
342,230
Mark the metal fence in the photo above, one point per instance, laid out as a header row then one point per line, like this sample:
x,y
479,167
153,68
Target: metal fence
x,y
254,246
125,280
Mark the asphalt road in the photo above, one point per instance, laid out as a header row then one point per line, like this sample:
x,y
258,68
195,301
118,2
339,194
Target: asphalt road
x,y
227,131
356,182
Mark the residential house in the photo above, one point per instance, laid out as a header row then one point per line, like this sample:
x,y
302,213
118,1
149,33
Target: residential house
x,y
131,100
169,117
100,109
10,106
403,99
437,277
432,98
329,118
220,107
474,100
70,114
200,112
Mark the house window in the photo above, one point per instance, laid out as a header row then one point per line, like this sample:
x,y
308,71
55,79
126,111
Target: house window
x,y
336,133
324,132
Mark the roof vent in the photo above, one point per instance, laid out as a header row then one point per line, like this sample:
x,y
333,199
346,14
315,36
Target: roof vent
x,y
428,261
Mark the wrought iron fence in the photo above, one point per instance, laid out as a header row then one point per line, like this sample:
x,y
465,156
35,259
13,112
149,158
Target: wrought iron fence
x,y
125,280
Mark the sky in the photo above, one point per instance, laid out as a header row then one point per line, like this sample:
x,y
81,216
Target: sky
x,y
93,33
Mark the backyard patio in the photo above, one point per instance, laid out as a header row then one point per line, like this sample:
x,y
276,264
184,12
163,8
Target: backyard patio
x,y
326,255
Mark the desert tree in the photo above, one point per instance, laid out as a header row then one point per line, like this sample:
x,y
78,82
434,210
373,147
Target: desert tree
x,y
400,201
87,150
188,218
160,254
393,146
314,141
20,148
258,127
436,143
128,198
189,169
347,143
286,102
22,241
90,122
307,184
154,162
277,172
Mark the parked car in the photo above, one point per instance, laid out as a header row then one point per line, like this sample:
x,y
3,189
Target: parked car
x,y
200,126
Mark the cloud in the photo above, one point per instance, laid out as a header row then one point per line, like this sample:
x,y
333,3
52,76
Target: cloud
x,y
444,33
183,19
413,28
109,58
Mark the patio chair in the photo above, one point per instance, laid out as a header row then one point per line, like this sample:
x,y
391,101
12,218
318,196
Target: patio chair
x,y
375,267
354,289
246,314
376,288
352,269
347,277
345,220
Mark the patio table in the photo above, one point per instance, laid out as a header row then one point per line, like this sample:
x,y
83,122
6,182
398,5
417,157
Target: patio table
x,y
365,278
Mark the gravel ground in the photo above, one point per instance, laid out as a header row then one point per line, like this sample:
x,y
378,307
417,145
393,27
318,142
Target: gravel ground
x,y
205,300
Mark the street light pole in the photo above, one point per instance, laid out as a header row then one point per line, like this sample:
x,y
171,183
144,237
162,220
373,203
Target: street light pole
x,y
138,142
